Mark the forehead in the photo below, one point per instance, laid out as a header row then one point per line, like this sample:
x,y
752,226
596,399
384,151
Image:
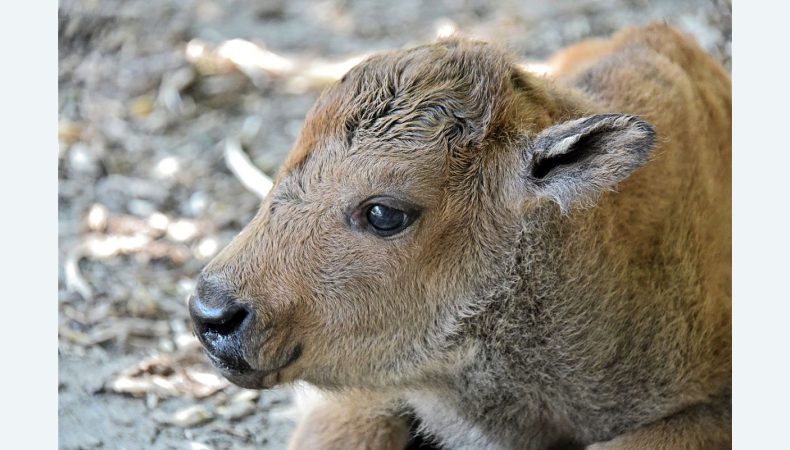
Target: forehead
x,y
400,105
341,173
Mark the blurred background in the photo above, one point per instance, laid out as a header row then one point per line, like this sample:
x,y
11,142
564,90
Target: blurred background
x,y
164,106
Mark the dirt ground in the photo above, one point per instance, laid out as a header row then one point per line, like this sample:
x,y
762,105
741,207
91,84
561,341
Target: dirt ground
x,y
150,92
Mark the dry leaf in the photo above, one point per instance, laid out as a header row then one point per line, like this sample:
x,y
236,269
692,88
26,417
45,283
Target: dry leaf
x,y
178,374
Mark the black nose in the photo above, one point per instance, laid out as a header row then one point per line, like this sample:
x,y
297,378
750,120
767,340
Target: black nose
x,y
223,318
220,322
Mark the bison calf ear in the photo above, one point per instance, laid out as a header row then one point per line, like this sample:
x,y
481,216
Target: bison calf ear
x,y
574,161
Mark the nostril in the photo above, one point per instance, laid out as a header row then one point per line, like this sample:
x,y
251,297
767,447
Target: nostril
x,y
228,323
222,317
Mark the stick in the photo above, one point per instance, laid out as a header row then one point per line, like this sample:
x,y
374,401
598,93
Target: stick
x,y
240,165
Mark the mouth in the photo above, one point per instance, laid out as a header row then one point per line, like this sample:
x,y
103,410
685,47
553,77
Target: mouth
x,y
244,375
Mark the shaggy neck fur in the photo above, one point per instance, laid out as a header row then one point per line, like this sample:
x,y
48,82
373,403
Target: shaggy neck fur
x,y
568,341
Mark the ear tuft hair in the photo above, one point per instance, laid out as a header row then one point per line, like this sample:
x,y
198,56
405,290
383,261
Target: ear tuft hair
x,y
574,161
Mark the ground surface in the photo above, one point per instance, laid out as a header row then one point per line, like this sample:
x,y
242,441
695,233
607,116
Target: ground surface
x,y
147,100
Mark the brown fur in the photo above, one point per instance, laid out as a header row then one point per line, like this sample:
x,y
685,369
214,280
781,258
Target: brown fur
x,y
358,421
526,308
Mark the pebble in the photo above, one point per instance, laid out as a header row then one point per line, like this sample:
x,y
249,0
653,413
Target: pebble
x,y
140,208
82,160
69,132
197,204
142,106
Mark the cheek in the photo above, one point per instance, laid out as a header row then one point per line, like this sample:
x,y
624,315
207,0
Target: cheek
x,y
364,280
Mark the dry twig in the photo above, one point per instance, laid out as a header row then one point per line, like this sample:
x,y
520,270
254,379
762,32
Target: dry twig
x,y
240,165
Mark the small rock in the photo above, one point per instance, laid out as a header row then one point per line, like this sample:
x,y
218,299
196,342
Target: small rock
x,y
140,208
197,203
97,217
166,345
158,221
142,106
182,230
185,288
69,132
82,160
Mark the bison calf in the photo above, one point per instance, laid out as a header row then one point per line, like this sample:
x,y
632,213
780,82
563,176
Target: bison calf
x,y
517,261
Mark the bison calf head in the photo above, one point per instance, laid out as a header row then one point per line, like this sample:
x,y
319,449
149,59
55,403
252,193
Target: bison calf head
x,y
394,214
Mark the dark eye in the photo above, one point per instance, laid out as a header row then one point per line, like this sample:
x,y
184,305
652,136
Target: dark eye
x,y
384,216
385,219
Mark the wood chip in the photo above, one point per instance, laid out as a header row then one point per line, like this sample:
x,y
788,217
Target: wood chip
x,y
190,416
